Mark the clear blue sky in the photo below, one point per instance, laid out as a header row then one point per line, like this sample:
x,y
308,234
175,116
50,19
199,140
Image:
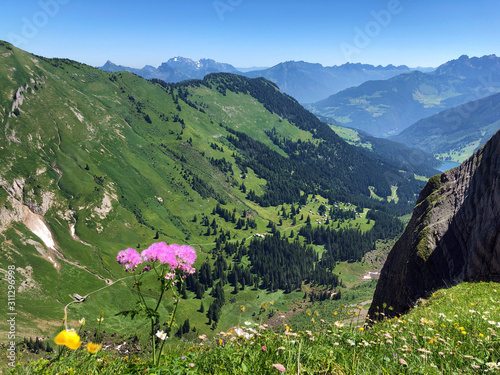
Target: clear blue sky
x,y
248,33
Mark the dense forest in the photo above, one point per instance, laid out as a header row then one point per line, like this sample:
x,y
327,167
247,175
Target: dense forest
x,y
273,261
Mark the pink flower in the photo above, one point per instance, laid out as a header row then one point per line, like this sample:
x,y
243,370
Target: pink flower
x,y
264,348
161,252
279,367
186,253
176,256
170,276
129,258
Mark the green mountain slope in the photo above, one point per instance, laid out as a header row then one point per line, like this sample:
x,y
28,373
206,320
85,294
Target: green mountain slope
x,y
387,151
95,162
456,133
384,108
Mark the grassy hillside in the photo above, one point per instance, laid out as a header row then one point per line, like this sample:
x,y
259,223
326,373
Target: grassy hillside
x,y
96,162
390,152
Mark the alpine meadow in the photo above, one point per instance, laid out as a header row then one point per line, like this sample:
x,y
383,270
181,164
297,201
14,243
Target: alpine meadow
x,y
197,218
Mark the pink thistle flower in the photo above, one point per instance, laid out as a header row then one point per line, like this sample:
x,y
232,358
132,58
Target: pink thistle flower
x,y
279,367
130,258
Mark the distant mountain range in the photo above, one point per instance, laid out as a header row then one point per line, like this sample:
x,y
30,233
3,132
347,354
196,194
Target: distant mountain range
x,y
387,107
306,82
175,69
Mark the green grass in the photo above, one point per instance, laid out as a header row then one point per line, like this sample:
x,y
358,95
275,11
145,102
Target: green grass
x,y
351,136
454,331
461,154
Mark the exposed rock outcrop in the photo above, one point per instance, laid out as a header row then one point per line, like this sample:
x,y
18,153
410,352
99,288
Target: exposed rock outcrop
x,y
453,235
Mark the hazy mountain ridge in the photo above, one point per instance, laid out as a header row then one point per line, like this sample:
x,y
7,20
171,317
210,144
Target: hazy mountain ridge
x,y
384,108
176,69
309,82
455,133
466,67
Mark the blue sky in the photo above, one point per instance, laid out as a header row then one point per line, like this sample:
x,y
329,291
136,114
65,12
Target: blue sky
x,y
254,32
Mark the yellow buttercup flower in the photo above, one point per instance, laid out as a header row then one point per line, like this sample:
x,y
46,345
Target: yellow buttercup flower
x,y
68,338
93,347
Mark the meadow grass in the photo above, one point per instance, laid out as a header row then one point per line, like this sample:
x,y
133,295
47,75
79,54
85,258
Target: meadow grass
x,y
454,331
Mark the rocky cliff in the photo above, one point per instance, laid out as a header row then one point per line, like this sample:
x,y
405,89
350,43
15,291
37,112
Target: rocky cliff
x,y
453,235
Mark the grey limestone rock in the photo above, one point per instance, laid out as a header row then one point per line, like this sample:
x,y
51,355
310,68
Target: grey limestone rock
x,y
453,235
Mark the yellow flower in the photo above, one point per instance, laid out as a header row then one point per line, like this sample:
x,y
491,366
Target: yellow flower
x,y
242,308
308,312
93,347
272,302
335,313
316,313
68,338
361,329
481,335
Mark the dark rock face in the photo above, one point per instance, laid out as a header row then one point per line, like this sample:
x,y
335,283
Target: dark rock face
x,y
453,235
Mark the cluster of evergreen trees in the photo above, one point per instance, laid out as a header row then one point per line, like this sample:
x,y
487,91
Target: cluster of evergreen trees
x,y
351,244
36,346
